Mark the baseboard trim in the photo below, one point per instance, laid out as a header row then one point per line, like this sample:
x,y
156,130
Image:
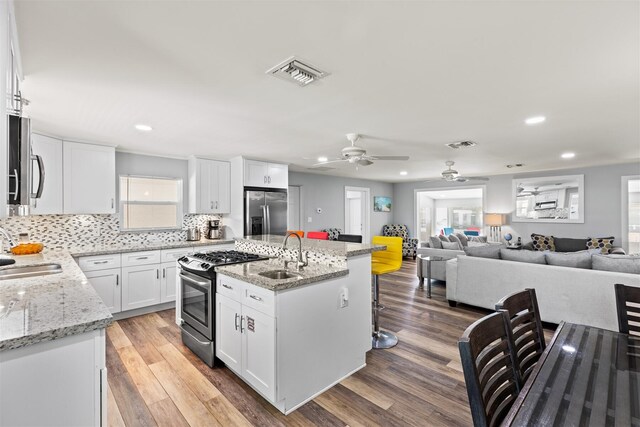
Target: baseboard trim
x,y
144,310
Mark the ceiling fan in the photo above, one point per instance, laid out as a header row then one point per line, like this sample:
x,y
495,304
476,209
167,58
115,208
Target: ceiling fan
x,y
358,155
452,175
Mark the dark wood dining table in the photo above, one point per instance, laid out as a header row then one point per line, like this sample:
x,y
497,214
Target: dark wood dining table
x,y
587,376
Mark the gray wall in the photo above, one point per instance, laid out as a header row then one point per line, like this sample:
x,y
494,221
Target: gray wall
x,y
154,166
602,203
327,192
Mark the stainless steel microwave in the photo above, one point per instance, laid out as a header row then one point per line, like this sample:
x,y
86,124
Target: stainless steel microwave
x,y
21,186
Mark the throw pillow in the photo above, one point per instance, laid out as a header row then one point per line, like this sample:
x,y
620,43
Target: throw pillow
x,y
603,243
451,246
444,238
564,244
543,243
580,259
454,238
533,257
464,240
618,263
435,243
488,251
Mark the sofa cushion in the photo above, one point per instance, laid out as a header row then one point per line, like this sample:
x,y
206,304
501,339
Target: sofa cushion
x,y
487,251
455,246
476,244
481,239
435,242
444,238
543,243
564,244
618,263
533,257
464,240
580,259
603,243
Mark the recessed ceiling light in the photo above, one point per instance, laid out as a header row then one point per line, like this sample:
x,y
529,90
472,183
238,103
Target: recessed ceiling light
x,y
568,155
144,128
535,120
322,159
403,173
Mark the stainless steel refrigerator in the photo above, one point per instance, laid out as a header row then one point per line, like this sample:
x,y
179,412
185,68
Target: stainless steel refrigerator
x,y
265,211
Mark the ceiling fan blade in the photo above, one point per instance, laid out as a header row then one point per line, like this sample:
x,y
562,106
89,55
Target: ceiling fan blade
x,y
434,180
364,162
473,178
328,162
389,157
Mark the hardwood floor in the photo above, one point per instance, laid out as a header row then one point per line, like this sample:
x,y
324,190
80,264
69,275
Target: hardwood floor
x,y
155,380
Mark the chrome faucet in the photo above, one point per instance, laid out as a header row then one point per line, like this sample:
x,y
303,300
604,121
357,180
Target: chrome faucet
x,y
6,235
299,263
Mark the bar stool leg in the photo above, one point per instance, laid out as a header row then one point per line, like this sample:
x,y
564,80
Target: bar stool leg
x,y
380,339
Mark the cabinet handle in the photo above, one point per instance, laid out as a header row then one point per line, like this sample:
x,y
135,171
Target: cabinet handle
x,y
117,280
237,315
269,180
216,204
157,273
265,179
242,324
164,273
210,205
224,285
112,203
100,262
143,257
257,298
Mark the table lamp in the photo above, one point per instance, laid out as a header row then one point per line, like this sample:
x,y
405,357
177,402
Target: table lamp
x,y
495,221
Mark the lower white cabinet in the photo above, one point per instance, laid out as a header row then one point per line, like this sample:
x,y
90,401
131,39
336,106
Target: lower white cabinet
x,y
140,286
228,338
168,282
107,286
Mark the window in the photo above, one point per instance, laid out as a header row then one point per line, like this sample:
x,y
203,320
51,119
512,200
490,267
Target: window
x,y
460,209
631,214
150,203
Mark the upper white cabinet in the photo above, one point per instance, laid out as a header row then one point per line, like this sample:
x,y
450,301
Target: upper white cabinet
x,y
89,178
209,186
50,150
263,174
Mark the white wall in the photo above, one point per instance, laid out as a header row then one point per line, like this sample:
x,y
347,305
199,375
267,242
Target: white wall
x,y
327,192
602,202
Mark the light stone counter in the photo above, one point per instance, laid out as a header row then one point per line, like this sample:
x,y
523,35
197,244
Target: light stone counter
x,y
330,247
135,247
49,307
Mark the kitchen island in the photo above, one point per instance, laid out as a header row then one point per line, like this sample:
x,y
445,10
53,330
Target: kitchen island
x,y
293,337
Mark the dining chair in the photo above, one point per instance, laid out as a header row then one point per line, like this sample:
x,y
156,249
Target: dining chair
x,y
490,368
628,307
353,238
526,328
318,235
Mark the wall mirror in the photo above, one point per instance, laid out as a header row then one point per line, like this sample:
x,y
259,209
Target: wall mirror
x,y
549,199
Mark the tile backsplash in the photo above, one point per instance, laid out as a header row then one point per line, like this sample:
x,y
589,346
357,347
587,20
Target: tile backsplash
x,y
67,231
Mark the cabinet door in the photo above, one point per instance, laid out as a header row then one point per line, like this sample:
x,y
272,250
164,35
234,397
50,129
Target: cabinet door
x,y
50,149
140,286
255,173
205,186
223,188
258,351
278,176
107,286
228,335
89,178
168,282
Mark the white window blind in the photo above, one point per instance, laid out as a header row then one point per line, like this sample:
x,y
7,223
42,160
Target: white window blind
x,y
150,203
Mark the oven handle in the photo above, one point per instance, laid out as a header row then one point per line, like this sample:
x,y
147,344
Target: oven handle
x,y
191,335
206,285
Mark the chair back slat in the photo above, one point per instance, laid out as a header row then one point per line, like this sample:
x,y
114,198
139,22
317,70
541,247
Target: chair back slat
x,y
628,307
490,368
524,315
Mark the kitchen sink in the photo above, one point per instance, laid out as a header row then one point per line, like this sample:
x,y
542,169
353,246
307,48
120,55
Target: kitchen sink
x,y
280,274
30,271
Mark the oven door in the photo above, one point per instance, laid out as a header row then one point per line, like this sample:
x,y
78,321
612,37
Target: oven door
x,y
197,303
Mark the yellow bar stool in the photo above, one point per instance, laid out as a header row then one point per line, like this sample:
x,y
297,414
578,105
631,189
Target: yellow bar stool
x,y
384,262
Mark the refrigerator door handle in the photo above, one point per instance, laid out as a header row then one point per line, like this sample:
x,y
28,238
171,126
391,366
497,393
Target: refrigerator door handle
x,y
38,193
268,220
264,219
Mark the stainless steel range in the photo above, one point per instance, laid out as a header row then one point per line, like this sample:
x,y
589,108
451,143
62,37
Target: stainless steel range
x,y
197,305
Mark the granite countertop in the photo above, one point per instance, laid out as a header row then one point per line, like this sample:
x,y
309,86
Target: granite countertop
x,y
135,247
49,307
249,272
333,247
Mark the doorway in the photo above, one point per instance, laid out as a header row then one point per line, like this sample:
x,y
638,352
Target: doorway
x,y
357,212
294,207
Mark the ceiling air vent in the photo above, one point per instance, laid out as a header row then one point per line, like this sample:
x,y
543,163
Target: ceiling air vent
x,y
461,144
296,71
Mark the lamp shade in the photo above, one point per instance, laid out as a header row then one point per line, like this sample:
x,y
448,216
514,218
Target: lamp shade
x,y
494,219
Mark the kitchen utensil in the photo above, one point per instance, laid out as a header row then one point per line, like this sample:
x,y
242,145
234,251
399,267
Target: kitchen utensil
x,y
193,234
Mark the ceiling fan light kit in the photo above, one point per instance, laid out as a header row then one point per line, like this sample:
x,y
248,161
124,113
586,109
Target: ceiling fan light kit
x,y
452,175
358,155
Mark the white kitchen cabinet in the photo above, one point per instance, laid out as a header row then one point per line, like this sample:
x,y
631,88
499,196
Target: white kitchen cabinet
x,y
107,285
168,281
140,286
50,149
89,178
228,335
209,186
266,175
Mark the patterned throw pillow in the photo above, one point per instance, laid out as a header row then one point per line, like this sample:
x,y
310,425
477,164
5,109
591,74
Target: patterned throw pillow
x,y
603,243
543,243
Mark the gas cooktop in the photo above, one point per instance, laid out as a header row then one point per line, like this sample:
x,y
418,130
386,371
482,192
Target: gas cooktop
x,y
206,261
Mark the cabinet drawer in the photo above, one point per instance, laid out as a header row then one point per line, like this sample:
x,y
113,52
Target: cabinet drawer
x,y
170,255
140,258
259,299
99,262
229,287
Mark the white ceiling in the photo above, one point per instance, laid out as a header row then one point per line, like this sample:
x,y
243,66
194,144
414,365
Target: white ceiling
x,y
411,75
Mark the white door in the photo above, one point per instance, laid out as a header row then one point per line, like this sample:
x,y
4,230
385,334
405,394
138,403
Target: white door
x,y
293,205
356,212
255,173
228,335
107,285
50,149
140,286
168,282
258,351
277,175
89,178
223,199
355,216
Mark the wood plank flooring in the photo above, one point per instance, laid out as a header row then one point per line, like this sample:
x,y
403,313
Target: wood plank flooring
x,y
155,380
